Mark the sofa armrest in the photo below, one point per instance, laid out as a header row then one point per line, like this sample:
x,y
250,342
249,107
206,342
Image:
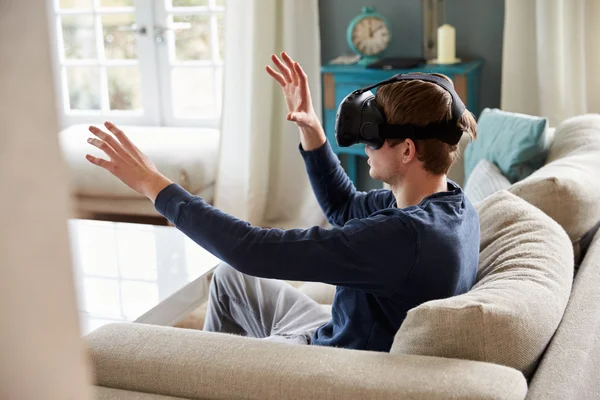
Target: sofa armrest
x,y
571,364
196,364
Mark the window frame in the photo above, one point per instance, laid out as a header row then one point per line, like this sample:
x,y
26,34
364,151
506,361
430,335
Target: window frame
x,y
155,62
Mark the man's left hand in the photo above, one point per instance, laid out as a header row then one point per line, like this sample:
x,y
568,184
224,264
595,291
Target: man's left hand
x,y
127,162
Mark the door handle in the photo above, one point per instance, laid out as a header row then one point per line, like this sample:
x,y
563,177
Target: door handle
x,y
160,31
140,30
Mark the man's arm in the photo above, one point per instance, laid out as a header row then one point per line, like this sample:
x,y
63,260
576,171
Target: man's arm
x,y
363,254
335,192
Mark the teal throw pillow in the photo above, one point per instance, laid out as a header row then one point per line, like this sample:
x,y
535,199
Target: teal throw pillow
x,y
517,143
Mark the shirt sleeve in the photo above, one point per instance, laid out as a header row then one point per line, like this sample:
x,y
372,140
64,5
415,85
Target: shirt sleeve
x,y
335,192
373,254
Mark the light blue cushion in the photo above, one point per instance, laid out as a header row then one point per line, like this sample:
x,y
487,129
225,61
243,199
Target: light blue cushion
x,y
516,143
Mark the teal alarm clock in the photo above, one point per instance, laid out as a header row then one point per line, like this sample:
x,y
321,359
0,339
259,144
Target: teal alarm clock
x,y
368,35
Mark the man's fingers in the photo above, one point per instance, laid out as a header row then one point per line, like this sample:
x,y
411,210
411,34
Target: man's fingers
x,y
98,132
285,71
298,117
300,72
123,139
107,138
303,81
288,60
290,64
276,75
105,147
110,167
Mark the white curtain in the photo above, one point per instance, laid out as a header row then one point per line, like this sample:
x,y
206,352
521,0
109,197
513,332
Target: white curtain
x,y
551,58
261,176
42,353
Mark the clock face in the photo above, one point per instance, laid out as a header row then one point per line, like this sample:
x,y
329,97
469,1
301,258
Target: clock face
x,y
370,36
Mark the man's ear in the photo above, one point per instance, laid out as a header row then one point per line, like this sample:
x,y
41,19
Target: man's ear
x,y
410,151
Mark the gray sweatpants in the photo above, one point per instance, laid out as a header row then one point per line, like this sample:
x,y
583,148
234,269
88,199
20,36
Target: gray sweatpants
x,y
261,308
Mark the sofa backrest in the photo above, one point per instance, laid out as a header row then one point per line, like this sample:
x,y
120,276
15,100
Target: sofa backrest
x,y
523,285
567,188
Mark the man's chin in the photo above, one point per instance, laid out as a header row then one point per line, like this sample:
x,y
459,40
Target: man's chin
x,y
374,175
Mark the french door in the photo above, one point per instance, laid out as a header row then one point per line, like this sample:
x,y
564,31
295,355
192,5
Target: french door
x,y
146,62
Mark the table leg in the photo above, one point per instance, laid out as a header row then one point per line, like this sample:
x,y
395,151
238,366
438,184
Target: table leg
x,y
351,168
179,304
473,82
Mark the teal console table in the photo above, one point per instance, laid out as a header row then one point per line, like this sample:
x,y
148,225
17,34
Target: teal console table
x,y
339,80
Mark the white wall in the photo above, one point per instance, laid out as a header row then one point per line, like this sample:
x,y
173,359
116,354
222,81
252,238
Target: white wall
x,y
41,352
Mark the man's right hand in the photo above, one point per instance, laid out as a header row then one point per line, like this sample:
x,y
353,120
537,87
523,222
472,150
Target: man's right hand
x,y
294,83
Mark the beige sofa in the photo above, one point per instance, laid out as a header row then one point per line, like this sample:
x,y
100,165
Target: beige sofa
x,y
528,329
187,156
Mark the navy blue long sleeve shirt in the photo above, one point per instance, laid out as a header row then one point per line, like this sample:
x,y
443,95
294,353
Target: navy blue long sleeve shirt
x,y
384,260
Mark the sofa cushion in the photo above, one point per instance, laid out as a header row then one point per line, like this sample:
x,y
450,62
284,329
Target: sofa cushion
x,y
207,365
187,156
523,285
104,393
485,180
516,143
567,188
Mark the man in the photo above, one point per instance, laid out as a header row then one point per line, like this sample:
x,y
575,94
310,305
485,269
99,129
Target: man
x,y
388,251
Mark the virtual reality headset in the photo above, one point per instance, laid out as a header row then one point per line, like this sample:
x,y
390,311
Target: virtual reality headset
x,y
360,119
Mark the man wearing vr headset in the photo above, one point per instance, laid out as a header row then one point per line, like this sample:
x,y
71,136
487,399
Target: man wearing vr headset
x,y
388,250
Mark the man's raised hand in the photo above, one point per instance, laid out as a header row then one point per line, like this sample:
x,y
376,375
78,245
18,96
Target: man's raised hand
x,y
126,161
295,88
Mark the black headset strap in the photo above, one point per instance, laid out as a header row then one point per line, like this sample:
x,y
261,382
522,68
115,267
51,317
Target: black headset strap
x,y
458,106
440,131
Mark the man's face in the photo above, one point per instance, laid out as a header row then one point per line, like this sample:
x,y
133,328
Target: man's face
x,y
386,163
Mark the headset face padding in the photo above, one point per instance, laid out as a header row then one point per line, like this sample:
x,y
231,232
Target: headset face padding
x,y
357,119
347,125
372,116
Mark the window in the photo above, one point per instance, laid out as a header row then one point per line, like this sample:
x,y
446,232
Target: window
x,y
146,62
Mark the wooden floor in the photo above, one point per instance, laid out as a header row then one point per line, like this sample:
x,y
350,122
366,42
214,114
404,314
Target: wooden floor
x,y
195,319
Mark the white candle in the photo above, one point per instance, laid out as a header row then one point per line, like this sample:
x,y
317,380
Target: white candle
x,y
446,44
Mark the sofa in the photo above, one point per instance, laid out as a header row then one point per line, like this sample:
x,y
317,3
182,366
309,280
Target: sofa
x,y
527,329
187,156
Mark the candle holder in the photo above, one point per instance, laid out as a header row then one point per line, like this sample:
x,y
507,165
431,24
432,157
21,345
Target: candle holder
x,y
439,38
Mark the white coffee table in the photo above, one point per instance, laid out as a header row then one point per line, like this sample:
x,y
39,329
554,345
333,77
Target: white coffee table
x,y
136,273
